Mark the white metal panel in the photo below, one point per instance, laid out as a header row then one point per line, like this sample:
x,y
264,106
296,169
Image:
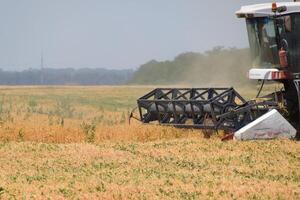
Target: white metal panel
x,y
264,10
269,126
261,74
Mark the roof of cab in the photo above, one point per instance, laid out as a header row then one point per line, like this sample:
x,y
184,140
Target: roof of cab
x,y
265,10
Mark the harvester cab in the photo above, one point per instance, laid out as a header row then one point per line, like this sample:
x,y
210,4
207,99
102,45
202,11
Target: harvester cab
x,y
274,37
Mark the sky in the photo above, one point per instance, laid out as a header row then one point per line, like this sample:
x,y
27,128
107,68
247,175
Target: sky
x,y
114,34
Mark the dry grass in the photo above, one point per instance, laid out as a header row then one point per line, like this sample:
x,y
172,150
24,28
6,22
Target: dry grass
x,y
75,142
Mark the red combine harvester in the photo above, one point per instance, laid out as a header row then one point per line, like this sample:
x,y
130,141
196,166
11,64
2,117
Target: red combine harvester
x,y
274,37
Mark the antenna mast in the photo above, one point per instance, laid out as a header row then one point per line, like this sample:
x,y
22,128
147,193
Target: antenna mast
x,y
42,69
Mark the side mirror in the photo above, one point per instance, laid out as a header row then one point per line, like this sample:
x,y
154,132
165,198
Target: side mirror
x,y
281,9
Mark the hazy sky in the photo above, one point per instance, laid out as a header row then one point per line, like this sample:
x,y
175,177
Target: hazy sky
x,y
114,33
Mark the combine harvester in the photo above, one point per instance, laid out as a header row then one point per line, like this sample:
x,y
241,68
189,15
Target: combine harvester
x,y
274,37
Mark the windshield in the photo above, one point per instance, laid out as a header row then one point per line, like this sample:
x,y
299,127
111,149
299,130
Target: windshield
x,y
263,45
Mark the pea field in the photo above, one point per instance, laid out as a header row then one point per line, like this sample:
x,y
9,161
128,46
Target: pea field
x,y
75,142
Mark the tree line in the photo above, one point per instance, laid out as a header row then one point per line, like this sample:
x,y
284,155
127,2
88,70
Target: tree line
x,y
217,67
67,76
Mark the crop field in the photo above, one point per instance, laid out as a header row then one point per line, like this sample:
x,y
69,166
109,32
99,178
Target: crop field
x,y
75,143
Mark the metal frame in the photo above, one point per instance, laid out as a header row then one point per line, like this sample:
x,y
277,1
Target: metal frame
x,y
202,108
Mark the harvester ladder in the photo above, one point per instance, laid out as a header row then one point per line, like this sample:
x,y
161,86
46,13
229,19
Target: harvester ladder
x,y
297,84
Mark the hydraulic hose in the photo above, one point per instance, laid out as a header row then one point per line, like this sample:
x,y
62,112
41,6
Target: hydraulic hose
x,y
260,89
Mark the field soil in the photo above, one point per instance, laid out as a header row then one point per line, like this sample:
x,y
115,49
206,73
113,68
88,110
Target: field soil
x,y
76,143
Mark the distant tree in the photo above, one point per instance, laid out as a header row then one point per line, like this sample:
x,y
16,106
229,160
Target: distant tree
x,y
219,66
